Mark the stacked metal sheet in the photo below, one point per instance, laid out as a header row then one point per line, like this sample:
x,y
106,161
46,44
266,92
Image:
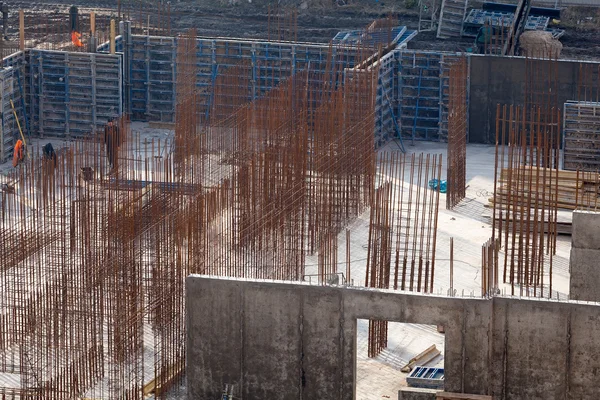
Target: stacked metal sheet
x,y
398,35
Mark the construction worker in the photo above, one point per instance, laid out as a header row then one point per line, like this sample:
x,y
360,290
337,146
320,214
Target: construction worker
x,y
484,37
76,39
112,141
74,21
49,153
19,153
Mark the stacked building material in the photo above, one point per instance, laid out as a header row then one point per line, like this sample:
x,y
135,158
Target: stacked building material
x,y
574,189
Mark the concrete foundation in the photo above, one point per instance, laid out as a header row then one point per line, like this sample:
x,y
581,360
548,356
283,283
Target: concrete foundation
x,y
585,256
294,341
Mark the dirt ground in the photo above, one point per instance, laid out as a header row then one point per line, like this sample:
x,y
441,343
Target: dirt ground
x,y
317,20
582,33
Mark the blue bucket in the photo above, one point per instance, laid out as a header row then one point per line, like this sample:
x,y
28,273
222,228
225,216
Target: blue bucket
x,y
438,185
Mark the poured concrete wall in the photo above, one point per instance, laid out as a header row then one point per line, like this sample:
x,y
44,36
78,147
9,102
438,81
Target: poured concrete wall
x,y
294,341
585,256
502,80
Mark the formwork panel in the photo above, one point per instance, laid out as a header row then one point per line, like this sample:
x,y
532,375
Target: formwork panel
x,y
153,69
581,140
73,94
422,92
10,89
385,122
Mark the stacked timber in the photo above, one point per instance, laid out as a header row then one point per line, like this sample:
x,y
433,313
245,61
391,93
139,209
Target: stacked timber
x,y
534,187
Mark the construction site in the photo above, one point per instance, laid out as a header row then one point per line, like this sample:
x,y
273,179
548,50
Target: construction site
x,y
399,202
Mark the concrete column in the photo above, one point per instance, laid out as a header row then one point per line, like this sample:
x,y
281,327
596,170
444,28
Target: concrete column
x,y
584,264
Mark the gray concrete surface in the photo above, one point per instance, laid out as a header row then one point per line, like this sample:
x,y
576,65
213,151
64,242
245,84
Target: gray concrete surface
x,y
585,256
586,230
297,341
417,394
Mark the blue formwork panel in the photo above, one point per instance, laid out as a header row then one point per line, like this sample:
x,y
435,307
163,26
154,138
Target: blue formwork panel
x,y
10,89
73,94
265,65
500,19
370,38
426,377
152,82
386,126
423,93
419,86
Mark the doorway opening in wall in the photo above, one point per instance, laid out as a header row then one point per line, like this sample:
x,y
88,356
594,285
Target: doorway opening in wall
x,y
384,350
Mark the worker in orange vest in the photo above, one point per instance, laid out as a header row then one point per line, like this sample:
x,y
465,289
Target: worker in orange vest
x,y
19,153
76,39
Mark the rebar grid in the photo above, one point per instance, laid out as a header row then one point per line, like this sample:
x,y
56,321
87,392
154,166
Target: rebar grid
x,y
402,230
457,134
588,83
97,243
526,196
489,268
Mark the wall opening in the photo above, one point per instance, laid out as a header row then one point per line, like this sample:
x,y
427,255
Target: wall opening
x,y
381,376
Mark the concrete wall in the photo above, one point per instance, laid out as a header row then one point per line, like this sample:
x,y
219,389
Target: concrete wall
x,y
409,393
502,80
294,341
585,256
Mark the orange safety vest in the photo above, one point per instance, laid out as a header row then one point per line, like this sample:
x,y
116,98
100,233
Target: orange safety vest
x,y
18,154
76,38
